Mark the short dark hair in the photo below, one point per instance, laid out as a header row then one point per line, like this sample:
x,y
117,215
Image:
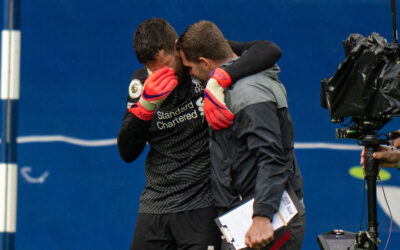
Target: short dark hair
x,y
204,39
151,36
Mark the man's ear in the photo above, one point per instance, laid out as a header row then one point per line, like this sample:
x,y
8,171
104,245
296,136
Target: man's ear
x,y
206,63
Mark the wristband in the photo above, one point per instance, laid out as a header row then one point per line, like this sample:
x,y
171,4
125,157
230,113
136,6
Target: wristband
x,y
142,113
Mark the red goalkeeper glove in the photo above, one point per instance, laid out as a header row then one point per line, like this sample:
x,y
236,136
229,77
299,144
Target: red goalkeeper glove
x,y
222,77
215,110
157,87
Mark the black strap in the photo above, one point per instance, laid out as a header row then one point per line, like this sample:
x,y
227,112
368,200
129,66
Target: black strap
x,y
395,35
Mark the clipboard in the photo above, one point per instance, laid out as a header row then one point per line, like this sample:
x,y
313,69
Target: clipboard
x,y
235,223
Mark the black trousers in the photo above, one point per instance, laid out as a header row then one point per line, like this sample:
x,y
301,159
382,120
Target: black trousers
x,y
188,230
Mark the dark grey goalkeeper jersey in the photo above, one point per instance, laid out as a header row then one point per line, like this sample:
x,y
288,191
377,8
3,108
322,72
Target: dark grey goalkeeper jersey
x,y
178,164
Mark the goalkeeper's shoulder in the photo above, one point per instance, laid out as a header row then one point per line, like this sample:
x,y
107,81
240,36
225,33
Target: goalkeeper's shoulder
x,y
136,85
140,74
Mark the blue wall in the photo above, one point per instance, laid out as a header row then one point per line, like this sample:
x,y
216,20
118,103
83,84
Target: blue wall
x,y
76,63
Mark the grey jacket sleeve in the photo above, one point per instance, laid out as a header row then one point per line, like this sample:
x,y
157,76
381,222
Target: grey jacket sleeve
x,y
263,136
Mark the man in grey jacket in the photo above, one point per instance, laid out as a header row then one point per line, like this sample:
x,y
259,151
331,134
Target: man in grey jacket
x,y
255,156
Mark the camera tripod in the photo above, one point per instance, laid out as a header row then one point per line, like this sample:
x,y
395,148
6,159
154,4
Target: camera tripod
x,y
365,132
369,239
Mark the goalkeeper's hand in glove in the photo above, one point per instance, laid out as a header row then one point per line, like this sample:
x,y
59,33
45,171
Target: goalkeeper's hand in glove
x,y
215,110
157,87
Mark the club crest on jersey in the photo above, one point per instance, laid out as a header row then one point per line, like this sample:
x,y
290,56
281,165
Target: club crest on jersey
x,y
198,85
135,88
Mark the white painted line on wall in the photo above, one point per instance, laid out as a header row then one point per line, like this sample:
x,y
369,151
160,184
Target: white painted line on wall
x,y
111,142
322,145
66,139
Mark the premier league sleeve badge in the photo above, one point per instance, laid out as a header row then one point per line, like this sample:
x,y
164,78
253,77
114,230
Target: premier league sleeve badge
x,y
135,88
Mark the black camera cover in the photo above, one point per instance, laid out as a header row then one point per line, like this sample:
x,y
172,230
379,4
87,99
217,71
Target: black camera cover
x,y
367,83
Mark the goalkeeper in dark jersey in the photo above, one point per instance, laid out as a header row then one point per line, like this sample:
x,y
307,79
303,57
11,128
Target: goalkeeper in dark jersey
x,y
165,109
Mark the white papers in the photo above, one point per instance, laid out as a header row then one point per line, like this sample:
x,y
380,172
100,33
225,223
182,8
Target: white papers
x,y
234,224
